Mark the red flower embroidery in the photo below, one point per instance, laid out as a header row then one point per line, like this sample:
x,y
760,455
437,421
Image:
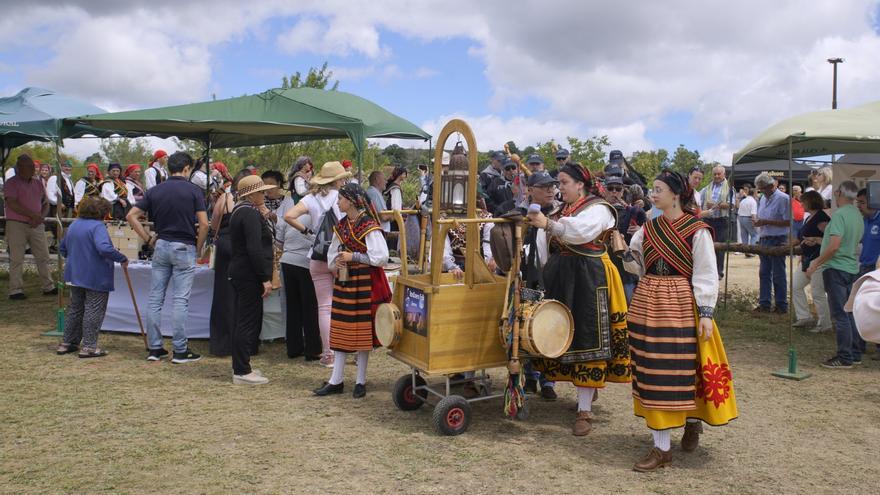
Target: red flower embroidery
x,y
714,383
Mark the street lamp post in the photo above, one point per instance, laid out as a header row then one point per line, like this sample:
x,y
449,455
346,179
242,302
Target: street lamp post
x,y
834,62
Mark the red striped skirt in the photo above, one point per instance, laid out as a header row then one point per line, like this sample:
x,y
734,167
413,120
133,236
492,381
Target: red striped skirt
x,y
663,343
354,306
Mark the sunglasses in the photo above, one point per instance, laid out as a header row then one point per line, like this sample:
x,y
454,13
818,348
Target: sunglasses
x,y
560,159
615,189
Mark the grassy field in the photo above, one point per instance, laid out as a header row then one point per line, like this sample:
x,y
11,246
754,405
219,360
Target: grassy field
x,y
122,425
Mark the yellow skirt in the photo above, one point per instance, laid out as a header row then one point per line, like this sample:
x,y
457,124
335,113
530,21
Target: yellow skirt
x,y
597,373
715,397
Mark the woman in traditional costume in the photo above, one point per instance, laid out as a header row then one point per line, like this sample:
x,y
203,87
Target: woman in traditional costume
x,y
115,191
133,184
681,375
90,185
358,253
579,274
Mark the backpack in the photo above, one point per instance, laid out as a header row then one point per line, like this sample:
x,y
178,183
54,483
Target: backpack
x,y
324,235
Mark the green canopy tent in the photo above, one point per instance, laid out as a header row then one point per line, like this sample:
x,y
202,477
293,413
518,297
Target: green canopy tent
x,y
274,116
828,132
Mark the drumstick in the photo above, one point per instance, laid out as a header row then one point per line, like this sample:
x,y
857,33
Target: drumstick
x,y
135,304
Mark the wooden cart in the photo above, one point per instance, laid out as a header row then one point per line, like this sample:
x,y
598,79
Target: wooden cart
x,y
441,326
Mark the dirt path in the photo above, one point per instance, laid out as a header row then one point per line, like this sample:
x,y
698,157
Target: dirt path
x,y
121,425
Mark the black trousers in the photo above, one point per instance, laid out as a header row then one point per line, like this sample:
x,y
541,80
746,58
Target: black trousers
x,y
248,323
303,333
719,226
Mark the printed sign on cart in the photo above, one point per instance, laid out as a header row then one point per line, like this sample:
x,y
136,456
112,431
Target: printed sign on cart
x,y
415,311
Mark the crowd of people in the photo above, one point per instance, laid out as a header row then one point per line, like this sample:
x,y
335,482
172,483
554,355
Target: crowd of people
x,y
643,310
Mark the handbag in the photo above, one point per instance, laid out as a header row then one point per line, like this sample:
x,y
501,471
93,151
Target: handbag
x,y
324,236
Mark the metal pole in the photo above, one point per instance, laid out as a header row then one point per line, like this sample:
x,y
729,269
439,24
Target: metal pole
x,y
834,62
792,372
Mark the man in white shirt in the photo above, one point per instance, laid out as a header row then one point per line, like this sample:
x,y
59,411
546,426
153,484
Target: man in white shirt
x,y
60,193
156,173
747,212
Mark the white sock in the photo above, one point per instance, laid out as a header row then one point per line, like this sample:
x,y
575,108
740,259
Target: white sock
x,y
693,420
338,368
585,398
662,440
363,357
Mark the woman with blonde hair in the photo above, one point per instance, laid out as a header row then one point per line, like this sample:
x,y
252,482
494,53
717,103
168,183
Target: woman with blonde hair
x,y
320,204
821,183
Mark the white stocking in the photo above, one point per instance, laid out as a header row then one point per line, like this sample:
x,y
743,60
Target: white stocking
x,y
338,368
585,398
362,358
662,440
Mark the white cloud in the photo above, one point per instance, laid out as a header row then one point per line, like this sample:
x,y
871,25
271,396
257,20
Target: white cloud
x,y
344,36
131,65
86,146
623,67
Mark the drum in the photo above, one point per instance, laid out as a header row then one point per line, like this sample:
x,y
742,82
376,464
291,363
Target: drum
x,y
547,328
389,325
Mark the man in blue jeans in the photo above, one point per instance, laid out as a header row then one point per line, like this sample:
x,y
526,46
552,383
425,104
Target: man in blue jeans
x,y
175,206
774,213
840,269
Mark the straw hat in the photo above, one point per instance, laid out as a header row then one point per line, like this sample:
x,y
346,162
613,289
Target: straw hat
x,y
252,184
330,172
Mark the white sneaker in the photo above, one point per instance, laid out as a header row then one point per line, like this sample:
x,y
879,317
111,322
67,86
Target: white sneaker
x,y
249,379
818,329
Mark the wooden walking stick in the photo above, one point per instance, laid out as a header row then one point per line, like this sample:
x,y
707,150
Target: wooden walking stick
x,y
514,396
135,304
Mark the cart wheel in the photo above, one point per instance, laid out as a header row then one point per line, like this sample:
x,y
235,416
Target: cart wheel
x,y
452,415
405,398
523,413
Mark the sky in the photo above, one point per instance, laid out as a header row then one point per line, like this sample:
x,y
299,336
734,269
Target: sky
x,y
709,75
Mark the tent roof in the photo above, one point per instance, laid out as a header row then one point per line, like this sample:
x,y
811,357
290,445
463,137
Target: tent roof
x,y
275,116
851,130
35,114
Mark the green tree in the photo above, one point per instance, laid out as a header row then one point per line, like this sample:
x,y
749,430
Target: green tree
x,y
125,151
315,78
649,163
683,160
395,154
589,152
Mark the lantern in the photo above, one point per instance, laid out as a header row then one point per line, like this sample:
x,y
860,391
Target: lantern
x,y
454,182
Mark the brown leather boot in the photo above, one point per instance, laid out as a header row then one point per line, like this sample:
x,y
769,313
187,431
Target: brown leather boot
x,y
691,438
583,424
655,459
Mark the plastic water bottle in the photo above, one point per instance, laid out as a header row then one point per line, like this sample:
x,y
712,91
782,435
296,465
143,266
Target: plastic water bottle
x,y
534,208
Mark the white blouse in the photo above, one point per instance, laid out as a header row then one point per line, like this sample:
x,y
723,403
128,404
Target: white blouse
x,y
108,192
377,249
584,227
300,185
705,277
396,198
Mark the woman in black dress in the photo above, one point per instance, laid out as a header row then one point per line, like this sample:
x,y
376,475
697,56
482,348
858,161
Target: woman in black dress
x,y
223,301
250,272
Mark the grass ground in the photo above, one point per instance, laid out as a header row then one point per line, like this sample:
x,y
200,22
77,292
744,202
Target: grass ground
x,y
122,425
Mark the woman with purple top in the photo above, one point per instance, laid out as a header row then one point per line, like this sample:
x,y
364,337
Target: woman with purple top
x,y
88,274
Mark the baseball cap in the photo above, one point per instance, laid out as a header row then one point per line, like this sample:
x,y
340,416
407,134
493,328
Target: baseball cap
x,y
615,157
540,179
535,158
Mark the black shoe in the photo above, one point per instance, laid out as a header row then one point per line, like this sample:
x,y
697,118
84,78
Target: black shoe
x,y
316,357
328,389
294,356
185,357
837,363
548,393
531,386
51,292
857,361
156,354
780,311
762,309
360,390
18,297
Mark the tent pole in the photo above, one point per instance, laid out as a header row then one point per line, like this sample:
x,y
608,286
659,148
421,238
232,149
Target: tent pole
x,y
729,217
792,372
59,234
